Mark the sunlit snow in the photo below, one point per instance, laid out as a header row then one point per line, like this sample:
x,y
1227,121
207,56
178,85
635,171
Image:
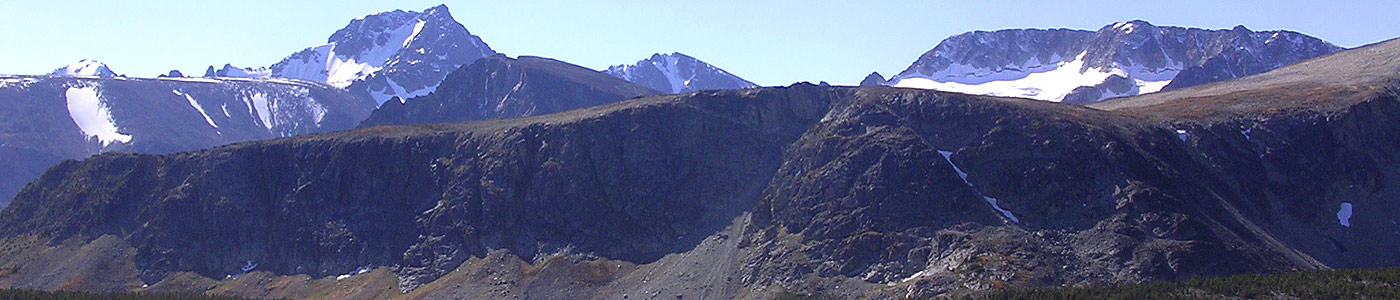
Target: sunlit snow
x,y
1050,81
324,64
361,270
86,67
91,115
673,73
395,90
197,107
1344,214
417,27
257,105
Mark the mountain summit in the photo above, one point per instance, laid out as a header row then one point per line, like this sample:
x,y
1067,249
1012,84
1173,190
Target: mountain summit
x,y
1120,59
678,73
382,55
86,67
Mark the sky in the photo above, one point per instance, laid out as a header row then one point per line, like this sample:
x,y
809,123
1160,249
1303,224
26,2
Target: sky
x,y
767,42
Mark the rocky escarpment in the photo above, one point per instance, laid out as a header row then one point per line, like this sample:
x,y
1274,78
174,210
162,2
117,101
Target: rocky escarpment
x,y
502,87
456,191
857,191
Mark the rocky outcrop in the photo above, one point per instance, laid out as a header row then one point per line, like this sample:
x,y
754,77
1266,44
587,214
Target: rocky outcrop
x,y
874,79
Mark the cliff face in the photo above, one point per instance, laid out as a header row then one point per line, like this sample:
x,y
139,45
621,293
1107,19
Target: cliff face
x,y
870,191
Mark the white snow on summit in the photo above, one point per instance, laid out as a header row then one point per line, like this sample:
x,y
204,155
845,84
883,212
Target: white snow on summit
x,y
86,67
322,63
680,72
91,115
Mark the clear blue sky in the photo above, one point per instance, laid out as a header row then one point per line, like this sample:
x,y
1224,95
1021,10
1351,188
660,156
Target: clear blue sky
x,y
768,42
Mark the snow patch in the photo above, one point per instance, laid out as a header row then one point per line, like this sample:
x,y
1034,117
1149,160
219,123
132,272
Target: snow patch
x,y
912,277
1344,214
257,105
395,90
310,67
361,270
948,156
418,27
317,111
197,107
91,115
344,68
1182,134
1049,80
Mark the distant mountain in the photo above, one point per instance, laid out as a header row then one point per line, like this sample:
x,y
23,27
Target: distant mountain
x,y
86,67
678,73
501,87
380,56
874,79
45,119
1121,59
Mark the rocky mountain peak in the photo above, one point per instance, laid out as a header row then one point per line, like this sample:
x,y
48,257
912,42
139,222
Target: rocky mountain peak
x,y
373,31
874,79
382,55
678,73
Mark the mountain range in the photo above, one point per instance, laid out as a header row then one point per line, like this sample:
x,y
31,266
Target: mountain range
x,y
46,119
847,191
1120,59
375,58
332,174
